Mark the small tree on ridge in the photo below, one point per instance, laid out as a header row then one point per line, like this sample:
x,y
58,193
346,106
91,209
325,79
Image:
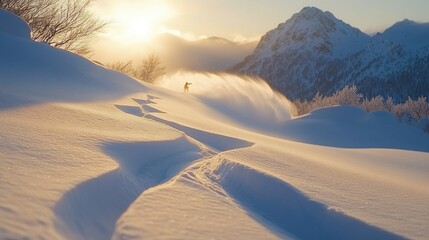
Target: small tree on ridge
x,y
150,69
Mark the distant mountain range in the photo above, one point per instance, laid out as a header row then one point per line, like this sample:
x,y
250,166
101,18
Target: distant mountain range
x,y
315,52
177,53
208,54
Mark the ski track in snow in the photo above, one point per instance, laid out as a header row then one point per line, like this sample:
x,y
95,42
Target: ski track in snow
x,y
197,157
91,209
284,209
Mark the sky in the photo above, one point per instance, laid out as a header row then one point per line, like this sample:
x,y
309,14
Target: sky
x,y
142,21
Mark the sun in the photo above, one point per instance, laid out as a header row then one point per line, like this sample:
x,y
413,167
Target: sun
x,y
139,23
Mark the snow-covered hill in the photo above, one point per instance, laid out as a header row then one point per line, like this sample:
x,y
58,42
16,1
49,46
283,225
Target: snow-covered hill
x,y
88,153
10,24
41,73
315,52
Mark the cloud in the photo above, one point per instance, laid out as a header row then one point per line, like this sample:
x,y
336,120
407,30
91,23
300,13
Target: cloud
x,y
177,52
206,54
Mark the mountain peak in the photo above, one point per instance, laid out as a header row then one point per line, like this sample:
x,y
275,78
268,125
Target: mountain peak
x,y
406,23
314,51
218,40
315,32
408,33
311,19
313,12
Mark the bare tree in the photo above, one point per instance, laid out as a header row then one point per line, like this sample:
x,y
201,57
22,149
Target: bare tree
x,y
65,24
150,69
28,10
123,67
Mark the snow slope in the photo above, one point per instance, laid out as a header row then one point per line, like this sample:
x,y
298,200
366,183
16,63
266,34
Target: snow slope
x,y
34,72
13,25
88,153
379,129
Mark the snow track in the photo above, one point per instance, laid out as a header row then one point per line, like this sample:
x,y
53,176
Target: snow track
x,y
283,208
91,209
196,156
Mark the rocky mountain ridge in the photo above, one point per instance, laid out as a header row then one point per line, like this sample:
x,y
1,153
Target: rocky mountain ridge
x,y
315,52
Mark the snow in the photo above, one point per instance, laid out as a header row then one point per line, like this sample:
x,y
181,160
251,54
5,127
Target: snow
x,y
379,129
11,24
291,212
240,100
89,153
41,73
410,34
307,31
315,52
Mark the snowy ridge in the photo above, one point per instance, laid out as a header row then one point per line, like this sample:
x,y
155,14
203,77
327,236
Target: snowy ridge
x,y
42,73
88,153
410,34
329,36
315,52
12,24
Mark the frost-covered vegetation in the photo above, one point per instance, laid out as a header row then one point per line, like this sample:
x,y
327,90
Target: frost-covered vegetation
x,y
414,111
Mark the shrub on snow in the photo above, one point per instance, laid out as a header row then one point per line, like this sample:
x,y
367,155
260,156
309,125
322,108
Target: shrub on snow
x,y
412,111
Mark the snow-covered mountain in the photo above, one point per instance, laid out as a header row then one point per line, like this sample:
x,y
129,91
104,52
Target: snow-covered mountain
x,y
315,52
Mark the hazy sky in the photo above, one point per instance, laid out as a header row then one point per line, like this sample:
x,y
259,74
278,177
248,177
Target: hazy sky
x,y
249,18
139,22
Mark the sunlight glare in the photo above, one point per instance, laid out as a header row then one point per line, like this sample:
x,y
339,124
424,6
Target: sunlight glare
x,y
140,24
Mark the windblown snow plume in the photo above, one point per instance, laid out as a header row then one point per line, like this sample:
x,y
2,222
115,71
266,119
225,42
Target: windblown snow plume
x,y
243,99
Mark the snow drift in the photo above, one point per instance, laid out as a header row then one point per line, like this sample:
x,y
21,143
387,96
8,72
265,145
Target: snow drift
x,y
248,101
352,127
12,24
280,206
33,72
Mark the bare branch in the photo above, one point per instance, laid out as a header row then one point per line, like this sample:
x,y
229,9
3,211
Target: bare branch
x,y
150,69
64,24
123,67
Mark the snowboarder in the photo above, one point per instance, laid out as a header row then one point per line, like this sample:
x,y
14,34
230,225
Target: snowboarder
x,y
186,87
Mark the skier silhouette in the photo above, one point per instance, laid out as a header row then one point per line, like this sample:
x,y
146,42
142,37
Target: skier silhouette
x,y
186,87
